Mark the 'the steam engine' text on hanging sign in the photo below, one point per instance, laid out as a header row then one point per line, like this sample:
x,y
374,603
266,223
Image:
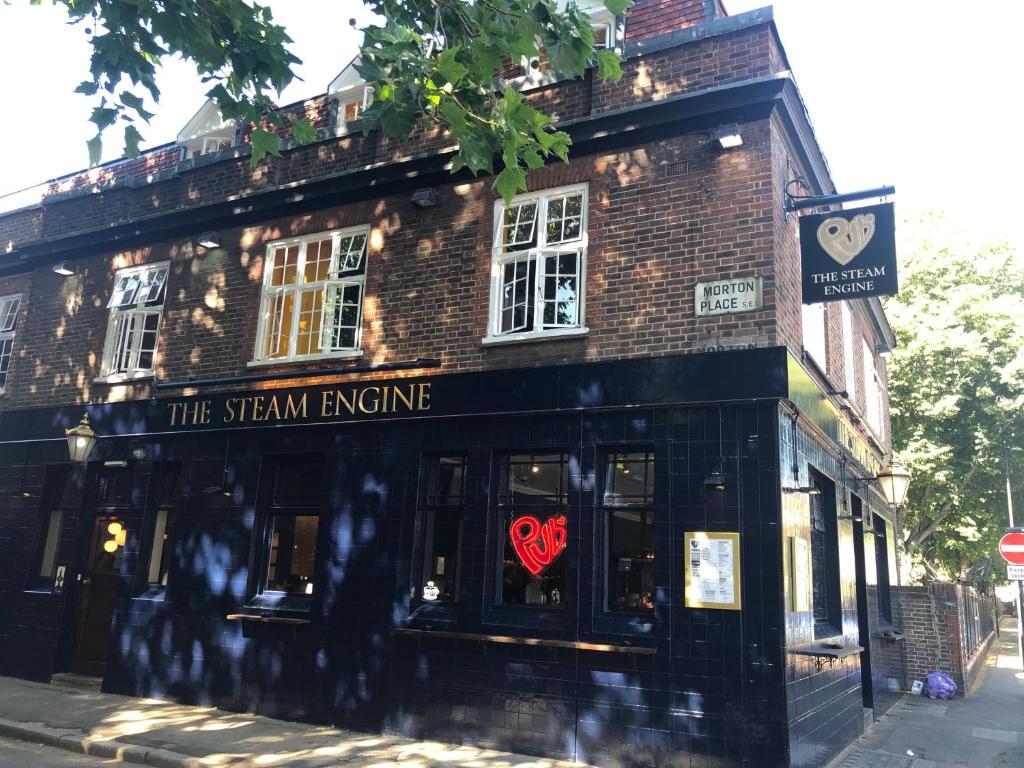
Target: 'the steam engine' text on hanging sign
x,y
848,254
723,297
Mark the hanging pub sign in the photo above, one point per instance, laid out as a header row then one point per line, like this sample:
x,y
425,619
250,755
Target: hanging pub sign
x,y
848,254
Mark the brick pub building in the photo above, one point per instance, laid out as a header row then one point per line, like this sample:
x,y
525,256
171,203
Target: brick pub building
x,y
377,450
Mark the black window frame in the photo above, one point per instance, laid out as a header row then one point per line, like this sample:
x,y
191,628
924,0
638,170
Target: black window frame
x,y
272,507
56,478
646,506
505,512
166,497
431,505
882,570
824,545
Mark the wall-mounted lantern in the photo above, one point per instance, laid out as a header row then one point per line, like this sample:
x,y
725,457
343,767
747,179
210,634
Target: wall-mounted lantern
x,y
894,480
81,440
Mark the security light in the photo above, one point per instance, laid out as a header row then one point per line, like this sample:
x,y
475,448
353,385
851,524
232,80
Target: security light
x,y
209,240
728,136
425,198
61,268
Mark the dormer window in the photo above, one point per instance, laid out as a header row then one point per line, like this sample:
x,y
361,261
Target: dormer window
x,y
206,133
351,96
607,36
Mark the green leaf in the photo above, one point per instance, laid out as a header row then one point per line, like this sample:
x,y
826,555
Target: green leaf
x,y
451,70
88,87
303,130
609,65
95,146
132,137
134,102
618,7
264,143
103,117
510,181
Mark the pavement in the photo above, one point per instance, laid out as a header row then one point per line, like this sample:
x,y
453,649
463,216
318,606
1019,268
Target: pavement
x,y
985,730
117,729
51,727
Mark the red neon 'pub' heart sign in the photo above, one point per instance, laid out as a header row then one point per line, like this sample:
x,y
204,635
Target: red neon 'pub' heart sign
x,y
538,546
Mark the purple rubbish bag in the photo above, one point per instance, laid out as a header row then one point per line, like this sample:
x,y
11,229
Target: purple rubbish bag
x,y
940,686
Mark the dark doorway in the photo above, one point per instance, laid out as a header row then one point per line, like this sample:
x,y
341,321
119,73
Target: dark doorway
x,y
863,622
101,581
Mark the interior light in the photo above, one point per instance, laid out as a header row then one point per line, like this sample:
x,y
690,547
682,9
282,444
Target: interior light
x,y
114,528
110,546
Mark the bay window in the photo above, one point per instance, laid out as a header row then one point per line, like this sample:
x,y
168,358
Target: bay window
x,y
136,309
9,307
312,300
538,265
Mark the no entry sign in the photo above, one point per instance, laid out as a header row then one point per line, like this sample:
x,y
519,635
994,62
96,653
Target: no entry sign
x,y
1011,547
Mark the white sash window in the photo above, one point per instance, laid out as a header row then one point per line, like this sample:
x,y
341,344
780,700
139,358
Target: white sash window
x,y
538,265
9,307
136,307
312,301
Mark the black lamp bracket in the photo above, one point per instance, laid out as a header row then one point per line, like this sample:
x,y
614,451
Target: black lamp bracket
x,y
799,202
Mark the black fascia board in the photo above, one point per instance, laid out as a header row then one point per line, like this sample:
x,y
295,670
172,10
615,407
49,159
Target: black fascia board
x,y
686,113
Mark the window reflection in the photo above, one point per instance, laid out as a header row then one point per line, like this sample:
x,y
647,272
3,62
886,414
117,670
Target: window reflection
x,y
628,501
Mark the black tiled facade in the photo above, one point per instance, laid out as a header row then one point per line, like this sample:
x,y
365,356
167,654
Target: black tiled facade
x,y
711,687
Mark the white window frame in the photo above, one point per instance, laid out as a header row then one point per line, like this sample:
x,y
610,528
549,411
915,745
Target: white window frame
x,y
848,351
812,318
538,253
600,18
213,144
8,327
142,306
872,391
341,125
269,292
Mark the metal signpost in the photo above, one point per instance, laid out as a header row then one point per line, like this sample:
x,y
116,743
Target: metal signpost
x,y
1011,547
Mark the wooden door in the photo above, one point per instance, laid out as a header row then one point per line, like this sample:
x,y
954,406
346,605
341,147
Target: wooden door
x,y
101,581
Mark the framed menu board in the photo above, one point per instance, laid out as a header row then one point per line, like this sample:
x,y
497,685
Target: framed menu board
x,y
713,570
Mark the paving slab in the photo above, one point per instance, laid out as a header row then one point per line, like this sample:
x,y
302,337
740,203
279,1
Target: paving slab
x,y
168,735
983,731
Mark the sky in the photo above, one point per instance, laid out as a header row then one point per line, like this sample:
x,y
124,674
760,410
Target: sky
x,y
913,93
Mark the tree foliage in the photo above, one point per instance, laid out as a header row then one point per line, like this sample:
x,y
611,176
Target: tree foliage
x,y
956,386
432,64
235,45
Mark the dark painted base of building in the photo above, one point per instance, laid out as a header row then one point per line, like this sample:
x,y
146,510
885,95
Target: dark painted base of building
x,y
670,686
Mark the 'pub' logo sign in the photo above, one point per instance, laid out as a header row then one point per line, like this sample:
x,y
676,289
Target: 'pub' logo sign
x,y
849,254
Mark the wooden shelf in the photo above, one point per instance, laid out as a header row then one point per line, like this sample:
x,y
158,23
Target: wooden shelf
x,y
265,619
535,641
823,655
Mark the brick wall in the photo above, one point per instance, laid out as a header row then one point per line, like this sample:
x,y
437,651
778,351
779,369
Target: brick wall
x,y
708,62
650,18
707,215
935,638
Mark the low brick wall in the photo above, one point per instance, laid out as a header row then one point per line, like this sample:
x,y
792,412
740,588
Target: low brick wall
x,y
938,638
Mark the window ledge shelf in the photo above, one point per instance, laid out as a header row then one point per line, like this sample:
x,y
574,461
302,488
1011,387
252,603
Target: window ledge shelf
x,y
534,641
123,378
347,355
267,619
497,341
